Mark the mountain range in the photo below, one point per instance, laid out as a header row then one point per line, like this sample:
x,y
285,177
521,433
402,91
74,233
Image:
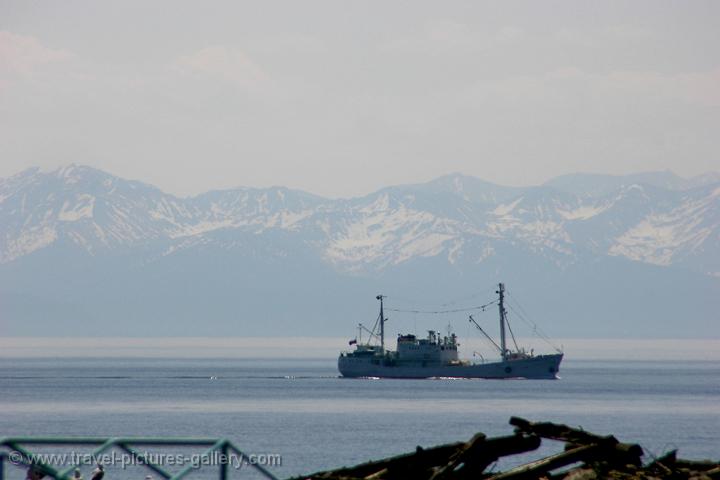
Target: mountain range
x,y
86,253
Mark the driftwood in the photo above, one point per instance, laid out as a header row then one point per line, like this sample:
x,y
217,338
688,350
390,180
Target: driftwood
x,y
586,457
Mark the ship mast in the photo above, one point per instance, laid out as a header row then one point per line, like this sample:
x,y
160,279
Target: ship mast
x,y
382,323
501,307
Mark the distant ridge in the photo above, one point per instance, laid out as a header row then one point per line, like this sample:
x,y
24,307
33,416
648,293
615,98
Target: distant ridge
x,y
599,184
94,251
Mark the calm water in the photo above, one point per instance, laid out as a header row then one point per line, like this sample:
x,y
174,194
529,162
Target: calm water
x,y
315,420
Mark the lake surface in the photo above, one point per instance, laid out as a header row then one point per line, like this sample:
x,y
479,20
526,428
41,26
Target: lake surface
x,y
300,409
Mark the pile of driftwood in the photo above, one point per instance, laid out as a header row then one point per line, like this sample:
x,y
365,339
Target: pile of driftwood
x,y
586,456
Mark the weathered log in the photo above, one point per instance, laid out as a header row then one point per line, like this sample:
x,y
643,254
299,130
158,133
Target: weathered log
x,y
421,459
473,460
665,465
540,467
599,457
617,452
713,472
459,457
558,431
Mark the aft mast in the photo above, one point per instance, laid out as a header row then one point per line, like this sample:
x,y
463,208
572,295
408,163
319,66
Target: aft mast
x,y
382,324
501,307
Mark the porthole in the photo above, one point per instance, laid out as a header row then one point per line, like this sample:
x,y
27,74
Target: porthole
x,y
508,369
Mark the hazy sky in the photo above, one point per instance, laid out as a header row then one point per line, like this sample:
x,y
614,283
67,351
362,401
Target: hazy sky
x,y
340,98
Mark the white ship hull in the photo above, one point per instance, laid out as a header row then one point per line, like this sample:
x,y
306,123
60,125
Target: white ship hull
x,y
538,367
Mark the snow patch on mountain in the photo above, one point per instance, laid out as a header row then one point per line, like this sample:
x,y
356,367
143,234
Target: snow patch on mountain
x,y
583,213
380,204
29,241
486,252
503,210
200,228
287,220
658,238
388,237
455,250
81,208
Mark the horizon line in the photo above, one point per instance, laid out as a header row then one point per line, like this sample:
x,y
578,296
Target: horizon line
x,y
283,348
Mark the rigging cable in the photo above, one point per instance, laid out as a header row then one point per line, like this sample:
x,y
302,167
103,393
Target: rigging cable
x,y
512,335
525,314
372,332
470,297
408,300
488,337
536,330
437,312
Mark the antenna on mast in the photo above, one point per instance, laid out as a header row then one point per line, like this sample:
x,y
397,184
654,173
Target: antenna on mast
x,y
382,323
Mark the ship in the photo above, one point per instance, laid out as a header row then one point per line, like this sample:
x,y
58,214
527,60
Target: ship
x,y
436,356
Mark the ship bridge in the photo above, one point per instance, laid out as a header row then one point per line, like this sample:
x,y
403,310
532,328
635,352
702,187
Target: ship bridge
x,y
433,350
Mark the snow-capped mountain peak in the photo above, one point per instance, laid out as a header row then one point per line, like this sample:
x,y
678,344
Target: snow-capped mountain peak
x,y
448,217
